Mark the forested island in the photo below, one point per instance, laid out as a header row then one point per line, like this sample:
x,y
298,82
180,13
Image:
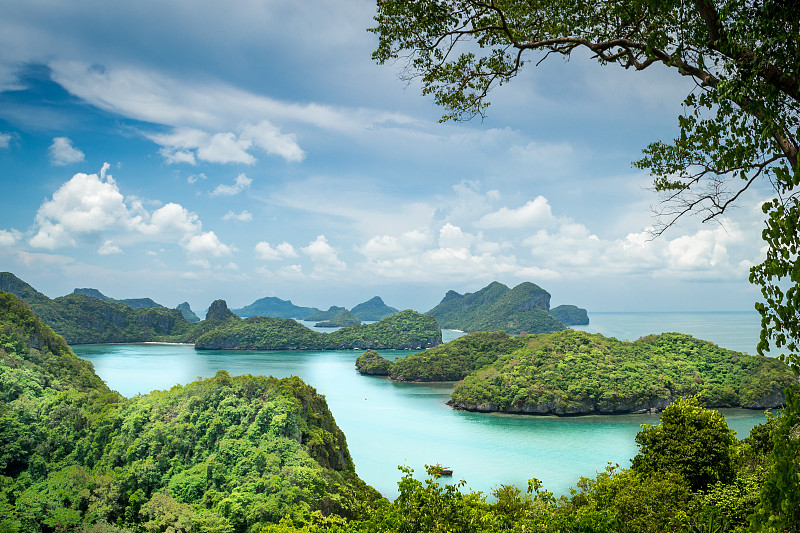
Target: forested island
x,y
407,330
573,372
275,307
372,310
335,317
523,309
249,453
223,454
94,318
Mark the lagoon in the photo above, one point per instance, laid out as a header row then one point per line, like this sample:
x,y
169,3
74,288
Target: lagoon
x,y
389,424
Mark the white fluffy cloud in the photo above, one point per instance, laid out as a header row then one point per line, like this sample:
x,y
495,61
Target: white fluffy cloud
x,y
190,145
109,248
5,139
535,213
85,204
387,246
244,216
207,244
91,207
453,237
241,183
324,257
9,237
531,242
705,249
267,252
269,138
62,152
170,221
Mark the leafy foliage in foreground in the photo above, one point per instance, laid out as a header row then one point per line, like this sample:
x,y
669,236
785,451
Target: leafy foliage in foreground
x,y
525,308
407,330
224,454
691,440
658,499
572,372
259,454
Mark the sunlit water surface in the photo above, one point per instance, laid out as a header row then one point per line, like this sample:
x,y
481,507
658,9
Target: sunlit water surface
x,y
389,424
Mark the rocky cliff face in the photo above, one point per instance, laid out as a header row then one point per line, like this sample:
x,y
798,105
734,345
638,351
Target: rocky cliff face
x,y
187,312
773,400
219,312
586,407
539,299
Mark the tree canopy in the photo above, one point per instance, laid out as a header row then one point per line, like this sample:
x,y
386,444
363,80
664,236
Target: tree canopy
x,y
739,125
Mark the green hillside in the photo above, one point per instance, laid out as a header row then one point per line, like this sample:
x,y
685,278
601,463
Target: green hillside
x,y
456,359
260,454
319,316
187,312
573,372
523,309
82,319
570,315
226,454
373,310
340,318
407,330
136,303
275,307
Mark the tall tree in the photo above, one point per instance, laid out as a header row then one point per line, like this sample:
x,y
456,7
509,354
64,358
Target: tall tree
x,y
740,123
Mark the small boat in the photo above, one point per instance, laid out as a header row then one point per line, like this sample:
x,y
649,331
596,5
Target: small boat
x,y
442,470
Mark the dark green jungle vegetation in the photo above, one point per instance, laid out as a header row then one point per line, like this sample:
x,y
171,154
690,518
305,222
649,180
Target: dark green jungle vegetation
x,y
325,315
272,306
573,372
222,454
737,132
570,315
406,330
83,319
339,319
523,309
259,454
373,310
130,302
456,359
371,363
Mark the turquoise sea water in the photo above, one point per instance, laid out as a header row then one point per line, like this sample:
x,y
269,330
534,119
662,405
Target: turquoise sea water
x,y
735,330
389,424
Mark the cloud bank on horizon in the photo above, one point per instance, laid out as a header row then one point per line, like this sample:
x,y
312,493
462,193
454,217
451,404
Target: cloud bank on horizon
x,y
249,160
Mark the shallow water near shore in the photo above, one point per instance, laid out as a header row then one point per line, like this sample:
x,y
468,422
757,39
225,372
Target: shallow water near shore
x,y
389,424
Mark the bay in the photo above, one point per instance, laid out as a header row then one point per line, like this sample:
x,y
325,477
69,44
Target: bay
x,y
389,424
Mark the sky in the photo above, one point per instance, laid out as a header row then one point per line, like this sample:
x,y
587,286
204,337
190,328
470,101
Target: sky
x,y
194,150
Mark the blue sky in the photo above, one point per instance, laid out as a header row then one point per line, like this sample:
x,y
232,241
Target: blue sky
x,y
188,151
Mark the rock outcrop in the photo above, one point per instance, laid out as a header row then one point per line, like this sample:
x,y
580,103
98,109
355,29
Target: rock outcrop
x,y
219,312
